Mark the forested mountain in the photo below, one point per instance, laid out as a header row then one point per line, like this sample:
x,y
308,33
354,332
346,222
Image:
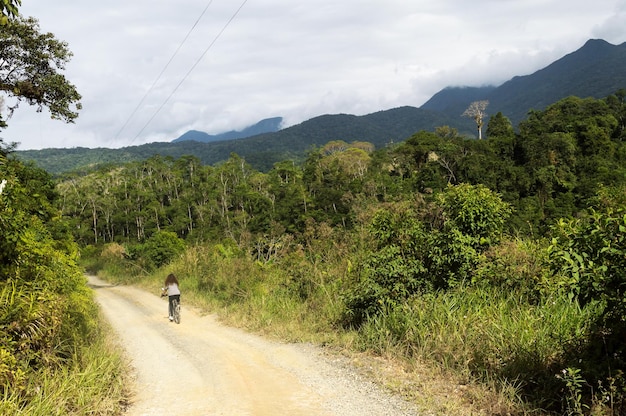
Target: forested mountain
x,y
595,70
268,125
598,69
261,151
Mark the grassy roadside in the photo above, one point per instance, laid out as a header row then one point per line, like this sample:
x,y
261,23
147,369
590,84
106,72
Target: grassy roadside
x,y
301,301
92,381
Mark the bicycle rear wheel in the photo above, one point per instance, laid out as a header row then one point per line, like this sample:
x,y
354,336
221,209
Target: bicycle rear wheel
x,y
176,312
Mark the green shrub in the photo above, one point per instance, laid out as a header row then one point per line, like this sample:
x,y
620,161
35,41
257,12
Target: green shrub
x,y
410,259
588,259
395,270
476,211
161,248
590,253
514,265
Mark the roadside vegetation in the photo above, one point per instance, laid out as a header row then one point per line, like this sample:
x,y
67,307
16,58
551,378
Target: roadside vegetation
x,y
56,357
498,263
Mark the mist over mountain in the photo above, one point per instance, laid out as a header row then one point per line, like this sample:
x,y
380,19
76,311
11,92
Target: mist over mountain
x,y
268,125
597,69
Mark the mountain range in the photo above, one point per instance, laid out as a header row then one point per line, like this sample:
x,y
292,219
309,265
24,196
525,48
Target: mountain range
x,y
268,125
597,70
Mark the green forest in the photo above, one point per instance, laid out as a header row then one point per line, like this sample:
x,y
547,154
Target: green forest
x,y
502,260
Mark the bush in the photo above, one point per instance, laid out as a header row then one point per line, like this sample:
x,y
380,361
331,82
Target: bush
x,y
475,211
410,259
588,259
161,248
590,255
394,271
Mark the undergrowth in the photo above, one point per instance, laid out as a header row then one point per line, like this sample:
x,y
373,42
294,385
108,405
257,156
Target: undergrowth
x,y
91,381
511,340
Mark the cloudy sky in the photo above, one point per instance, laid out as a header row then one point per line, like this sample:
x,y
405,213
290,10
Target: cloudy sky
x,y
151,70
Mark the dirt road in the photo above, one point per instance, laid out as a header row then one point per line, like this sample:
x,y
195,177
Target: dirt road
x,y
201,367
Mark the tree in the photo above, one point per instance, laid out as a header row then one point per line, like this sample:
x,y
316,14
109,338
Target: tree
x,y
500,126
162,247
476,211
476,111
288,196
446,132
8,9
30,65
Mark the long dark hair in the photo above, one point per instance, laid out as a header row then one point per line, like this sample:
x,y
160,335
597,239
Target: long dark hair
x,y
171,279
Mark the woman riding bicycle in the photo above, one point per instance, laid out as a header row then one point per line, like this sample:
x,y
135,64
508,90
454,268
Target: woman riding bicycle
x,y
172,290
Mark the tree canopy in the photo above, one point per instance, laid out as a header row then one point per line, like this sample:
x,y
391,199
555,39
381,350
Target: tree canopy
x,y
30,70
8,9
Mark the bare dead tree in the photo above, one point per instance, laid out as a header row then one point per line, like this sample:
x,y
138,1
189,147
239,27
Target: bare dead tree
x,y
476,111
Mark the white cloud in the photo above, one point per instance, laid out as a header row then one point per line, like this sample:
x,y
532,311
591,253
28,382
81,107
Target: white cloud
x,y
613,29
291,59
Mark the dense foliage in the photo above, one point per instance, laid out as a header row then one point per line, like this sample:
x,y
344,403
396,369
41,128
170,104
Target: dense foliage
x,y
48,319
551,169
30,70
421,255
53,355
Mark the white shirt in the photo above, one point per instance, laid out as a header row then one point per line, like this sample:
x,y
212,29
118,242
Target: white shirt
x,y
172,289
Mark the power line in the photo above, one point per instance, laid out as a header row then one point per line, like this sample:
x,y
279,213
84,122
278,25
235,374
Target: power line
x,y
163,70
191,69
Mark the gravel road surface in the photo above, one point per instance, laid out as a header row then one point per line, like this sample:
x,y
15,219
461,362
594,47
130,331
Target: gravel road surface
x,y
202,367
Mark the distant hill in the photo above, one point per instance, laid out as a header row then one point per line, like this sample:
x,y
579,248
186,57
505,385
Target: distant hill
x,y
597,70
268,125
380,128
263,150
451,99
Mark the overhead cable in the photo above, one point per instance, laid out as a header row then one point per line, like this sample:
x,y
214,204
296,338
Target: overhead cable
x,y
192,68
163,70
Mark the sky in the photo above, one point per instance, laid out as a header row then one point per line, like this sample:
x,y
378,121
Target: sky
x,y
149,71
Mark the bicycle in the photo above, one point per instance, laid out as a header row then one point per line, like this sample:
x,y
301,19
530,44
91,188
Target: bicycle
x,y
175,306
176,310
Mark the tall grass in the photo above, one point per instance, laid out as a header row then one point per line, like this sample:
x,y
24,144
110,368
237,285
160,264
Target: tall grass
x,y
484,334
91,382
294,303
